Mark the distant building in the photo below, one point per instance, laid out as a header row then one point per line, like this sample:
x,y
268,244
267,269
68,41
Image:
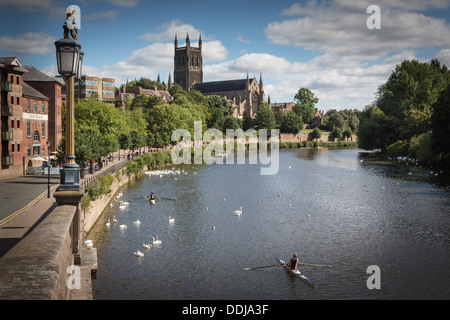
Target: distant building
x,y
246,95
93,87
188,64
286,107
131,92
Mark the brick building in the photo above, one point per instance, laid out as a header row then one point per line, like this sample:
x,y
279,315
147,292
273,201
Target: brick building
x,y
50,87
11,72
35,120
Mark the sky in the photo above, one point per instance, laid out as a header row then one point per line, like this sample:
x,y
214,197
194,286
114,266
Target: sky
x,y
330,47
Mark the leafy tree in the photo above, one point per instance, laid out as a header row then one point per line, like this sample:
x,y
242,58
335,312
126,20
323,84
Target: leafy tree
x,y
305,106
440,121
315,134
412,86
145,83
376,130
265,119
230,122
292,123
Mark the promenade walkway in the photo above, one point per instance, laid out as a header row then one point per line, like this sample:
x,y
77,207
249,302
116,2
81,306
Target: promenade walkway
x,y
24,203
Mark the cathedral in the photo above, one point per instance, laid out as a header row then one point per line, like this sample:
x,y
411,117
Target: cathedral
x,y
244,94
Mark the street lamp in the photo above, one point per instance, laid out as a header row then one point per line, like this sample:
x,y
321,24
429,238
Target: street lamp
x,y
48,181
68,52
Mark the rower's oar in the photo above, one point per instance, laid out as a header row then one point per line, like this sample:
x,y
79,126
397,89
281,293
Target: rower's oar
x,y
164,198
273,265
315,265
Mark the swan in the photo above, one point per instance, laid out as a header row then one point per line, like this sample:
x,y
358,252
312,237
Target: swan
x,y
156,241
122,226
108,223
89,243
147,246
171,220
138,254
114,219
238,212
137,222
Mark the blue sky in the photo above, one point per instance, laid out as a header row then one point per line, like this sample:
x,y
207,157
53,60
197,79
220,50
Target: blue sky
x,y
322,45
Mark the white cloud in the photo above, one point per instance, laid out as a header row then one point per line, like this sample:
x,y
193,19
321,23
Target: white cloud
x,y
169,30
28,43
242,40
444,57
339,28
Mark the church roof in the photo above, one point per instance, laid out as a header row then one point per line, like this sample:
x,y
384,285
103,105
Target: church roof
x,y
220,86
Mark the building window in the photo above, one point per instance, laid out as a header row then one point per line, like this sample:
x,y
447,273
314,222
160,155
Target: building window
x,y
43,129
43,150
12,148
28,106
12,124
36,136
18,124
28,152
28,129
35,107
43,107
18,80
12,100
18,101
18,148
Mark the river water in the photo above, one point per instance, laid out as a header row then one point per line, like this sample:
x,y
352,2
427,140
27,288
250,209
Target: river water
x,y
345,207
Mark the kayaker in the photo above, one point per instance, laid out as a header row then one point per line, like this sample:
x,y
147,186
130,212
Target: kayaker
x,y
293,263
152,196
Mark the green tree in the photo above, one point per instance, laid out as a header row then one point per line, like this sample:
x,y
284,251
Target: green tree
x,y
292,123
305,106
440,121
376,130
265,119
315,134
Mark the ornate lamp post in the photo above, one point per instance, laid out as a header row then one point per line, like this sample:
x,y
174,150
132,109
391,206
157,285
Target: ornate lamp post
x,y
48,173
68,52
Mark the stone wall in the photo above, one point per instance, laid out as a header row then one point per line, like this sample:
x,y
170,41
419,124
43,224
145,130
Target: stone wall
x,y
35,269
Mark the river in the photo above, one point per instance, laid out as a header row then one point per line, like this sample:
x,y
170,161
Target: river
x,y
342,207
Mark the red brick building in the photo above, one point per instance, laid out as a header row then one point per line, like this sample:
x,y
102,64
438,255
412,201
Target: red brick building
x,y
11,72
51,88
35,121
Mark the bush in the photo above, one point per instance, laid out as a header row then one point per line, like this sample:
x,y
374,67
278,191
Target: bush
x,y
398,149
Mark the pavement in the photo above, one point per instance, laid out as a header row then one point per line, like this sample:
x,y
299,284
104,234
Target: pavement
x,y
25,203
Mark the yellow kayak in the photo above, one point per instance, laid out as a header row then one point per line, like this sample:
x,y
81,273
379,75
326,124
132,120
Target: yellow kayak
x,y
153,202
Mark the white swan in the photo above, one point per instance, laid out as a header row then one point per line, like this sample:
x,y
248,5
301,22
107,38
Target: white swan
x,y
89,243
108,223
122,226
238,212
114,219
156,241
171,220
138,254
147,246
137,222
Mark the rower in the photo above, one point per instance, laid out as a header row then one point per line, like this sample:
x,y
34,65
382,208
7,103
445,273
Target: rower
x,y
152,198
293,263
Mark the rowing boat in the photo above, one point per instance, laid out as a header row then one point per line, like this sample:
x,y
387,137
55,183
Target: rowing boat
x,y
296,273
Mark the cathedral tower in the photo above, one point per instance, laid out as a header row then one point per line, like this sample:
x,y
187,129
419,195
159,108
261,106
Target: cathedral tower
x,y
188,64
